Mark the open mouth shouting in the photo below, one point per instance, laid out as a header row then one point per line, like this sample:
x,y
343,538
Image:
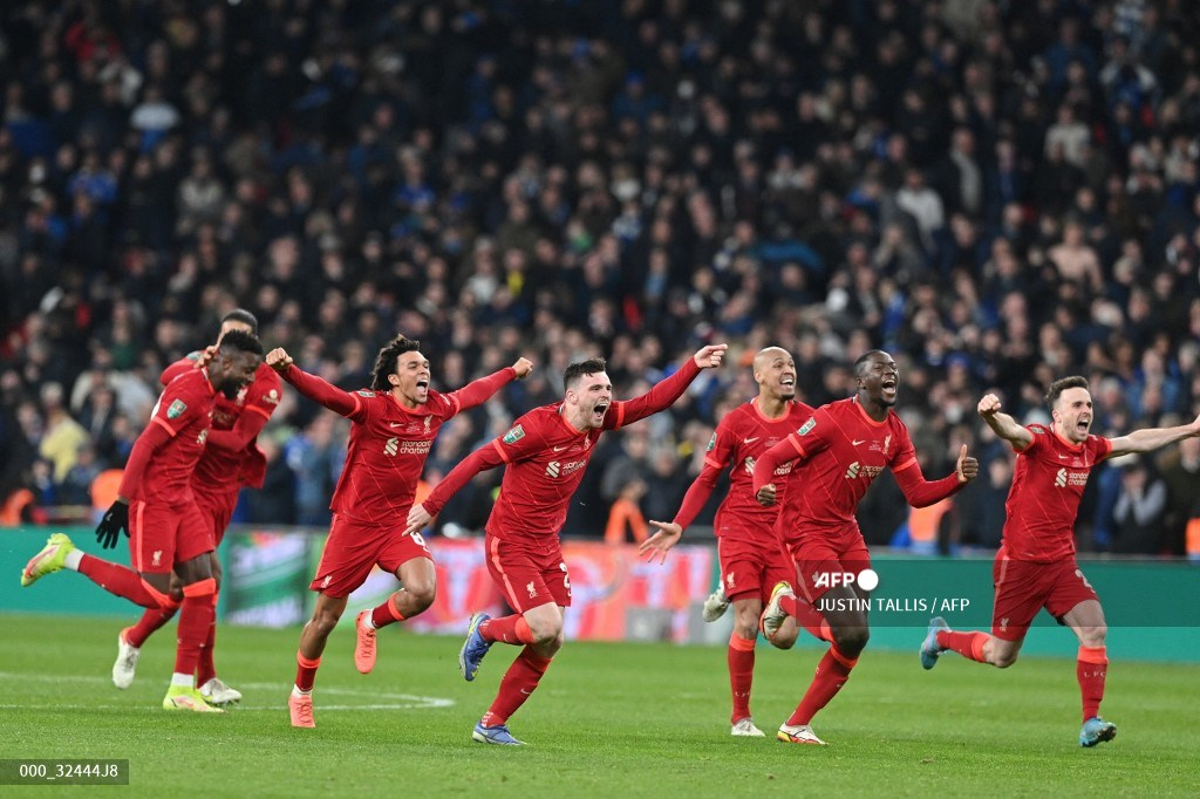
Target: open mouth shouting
x,y
598,412
788,383
888,387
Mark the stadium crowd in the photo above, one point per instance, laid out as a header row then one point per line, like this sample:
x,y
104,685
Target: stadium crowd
x,y
998,193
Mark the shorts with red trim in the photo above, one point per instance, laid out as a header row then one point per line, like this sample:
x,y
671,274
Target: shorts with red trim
x,y
823,562
530,573
353,548
217,508
749,566
162,535
1023,588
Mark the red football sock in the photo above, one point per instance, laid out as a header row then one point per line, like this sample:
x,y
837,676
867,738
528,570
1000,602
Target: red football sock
x,y
1090,670
512,629
741,673
206,670
152,619
807,615
516,686
386,613
195,616
121,581
306,672
968,644
832,673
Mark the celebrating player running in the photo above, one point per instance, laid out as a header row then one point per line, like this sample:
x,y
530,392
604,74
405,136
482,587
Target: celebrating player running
x,y
547,451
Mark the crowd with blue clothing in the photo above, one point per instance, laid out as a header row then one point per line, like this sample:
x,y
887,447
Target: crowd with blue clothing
x,y
998,193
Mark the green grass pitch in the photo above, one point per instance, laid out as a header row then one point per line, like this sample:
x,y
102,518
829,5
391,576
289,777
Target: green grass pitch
x,y
610,720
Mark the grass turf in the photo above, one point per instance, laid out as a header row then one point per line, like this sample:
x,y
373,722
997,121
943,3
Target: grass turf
x,y
610,720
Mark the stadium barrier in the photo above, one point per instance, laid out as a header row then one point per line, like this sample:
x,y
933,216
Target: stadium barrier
x,y
1150,605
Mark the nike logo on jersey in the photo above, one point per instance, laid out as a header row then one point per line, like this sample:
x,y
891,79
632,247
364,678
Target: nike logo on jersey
x,y
560,449
396,424
857,442
751,439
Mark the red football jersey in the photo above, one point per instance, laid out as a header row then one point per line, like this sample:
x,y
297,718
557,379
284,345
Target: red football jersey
x,y
184,409
222,470
741,437
844,450
386,454
545,458
1047,486
388,443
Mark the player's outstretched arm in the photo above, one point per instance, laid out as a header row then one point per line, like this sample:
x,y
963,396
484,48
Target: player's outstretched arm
x,y
667,391
665,536
312,387
1004,425
1148,439
421,514
480,391
920,492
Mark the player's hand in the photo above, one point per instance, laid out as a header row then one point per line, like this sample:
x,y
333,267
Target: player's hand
x,y
766,495
989,405
523,367
666,537
1195,426
114,522
418,518
279,360
967,467
709,357
206,356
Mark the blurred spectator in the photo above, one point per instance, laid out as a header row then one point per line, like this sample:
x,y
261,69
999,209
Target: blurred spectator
x,y
996,192
1140,510
1181,472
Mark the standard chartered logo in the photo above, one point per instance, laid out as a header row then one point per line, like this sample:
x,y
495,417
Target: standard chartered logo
x,y
1064,478
852,471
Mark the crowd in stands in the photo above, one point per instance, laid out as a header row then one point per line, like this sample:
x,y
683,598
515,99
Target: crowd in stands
x,y
998,192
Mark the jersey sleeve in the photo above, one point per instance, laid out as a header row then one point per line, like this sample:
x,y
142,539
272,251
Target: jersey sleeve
x,y
517,444
1101,448
180,367
263,394
721,446
905,455
522,441
1039,434
179,404
478,391
353,405
814,434
660,397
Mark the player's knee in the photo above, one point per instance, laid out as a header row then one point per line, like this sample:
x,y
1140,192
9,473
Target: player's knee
x,y
746,630
1093,636
851,641
325,620
547,633
784,640
421,594
1004,660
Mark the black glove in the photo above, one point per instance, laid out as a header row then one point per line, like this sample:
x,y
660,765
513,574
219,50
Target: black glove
x,y
114,523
